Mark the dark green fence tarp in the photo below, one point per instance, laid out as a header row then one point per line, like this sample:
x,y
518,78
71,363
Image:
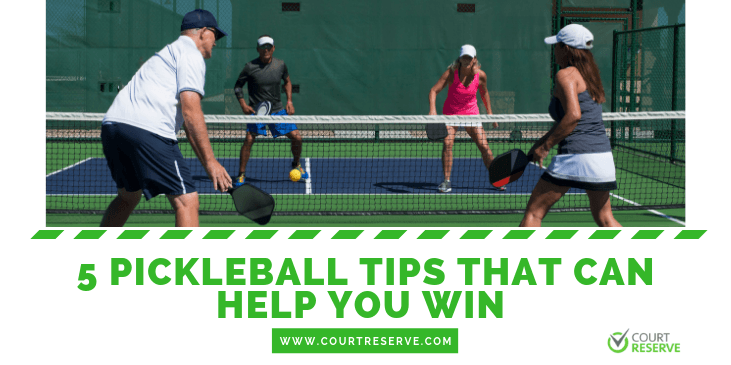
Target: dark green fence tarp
x,y
347,57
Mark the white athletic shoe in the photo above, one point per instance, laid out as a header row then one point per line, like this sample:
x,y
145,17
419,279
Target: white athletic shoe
x,y
445,186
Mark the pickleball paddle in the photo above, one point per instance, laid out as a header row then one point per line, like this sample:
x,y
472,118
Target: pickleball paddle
x,y
508,167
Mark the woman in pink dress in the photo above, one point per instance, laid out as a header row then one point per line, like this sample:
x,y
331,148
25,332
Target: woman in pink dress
x,y
463,78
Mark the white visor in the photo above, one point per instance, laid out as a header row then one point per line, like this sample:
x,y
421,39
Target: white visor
x,y
264,40
468,50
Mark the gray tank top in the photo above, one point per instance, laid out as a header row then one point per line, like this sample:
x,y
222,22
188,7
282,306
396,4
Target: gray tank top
x,y
589,136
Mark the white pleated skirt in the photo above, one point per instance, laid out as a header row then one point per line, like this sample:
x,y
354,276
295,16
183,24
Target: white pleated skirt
x,y
588,171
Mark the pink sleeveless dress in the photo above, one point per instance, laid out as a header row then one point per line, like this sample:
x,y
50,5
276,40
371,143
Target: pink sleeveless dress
x,y
462,100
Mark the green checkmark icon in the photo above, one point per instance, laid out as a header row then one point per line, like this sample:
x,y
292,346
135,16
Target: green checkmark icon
x,y
618,342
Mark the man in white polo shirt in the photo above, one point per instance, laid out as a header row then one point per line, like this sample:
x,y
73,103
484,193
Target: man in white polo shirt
x,y
139,130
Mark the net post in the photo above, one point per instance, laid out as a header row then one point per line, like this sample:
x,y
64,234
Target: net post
x,y
674,91
613,136
635,15
615,88
557,23
633,83
632,76
615,73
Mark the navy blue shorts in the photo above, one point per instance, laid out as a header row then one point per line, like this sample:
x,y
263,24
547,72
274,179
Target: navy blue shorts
x,y
139,159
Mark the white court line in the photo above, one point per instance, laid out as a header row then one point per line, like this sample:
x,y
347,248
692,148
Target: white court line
x,y
308,181
639,205
650,210
68,167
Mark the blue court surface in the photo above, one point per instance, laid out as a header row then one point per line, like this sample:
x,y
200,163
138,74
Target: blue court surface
x,y
368,176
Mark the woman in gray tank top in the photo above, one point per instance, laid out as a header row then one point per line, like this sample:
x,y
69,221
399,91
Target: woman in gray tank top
x,y
584,159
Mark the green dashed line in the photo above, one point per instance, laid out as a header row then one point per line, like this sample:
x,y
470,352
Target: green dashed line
x,y
647,234
433,234
519,234
261,234
218,234
90,234
562,234
355,234
604,234
390,234
133,234
47,234
688,234
176,234
345,234
475,234
304,234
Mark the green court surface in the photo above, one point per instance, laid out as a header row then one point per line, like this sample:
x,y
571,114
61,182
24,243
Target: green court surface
x,y
634,218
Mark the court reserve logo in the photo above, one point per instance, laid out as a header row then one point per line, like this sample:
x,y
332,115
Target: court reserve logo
x,y
618,347
657,342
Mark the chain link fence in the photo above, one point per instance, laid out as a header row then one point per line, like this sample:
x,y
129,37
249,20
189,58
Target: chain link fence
x,y
649,75
649,69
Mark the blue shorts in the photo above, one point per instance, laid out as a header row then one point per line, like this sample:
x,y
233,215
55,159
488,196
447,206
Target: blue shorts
x,y
278,129
139,159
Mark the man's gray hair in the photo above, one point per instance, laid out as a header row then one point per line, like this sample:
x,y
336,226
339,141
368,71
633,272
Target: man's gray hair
x,y
190,31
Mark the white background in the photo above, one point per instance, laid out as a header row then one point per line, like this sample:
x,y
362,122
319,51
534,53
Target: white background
x,y
46,319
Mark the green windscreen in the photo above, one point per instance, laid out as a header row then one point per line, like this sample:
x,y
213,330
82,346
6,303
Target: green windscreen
x,y
345,57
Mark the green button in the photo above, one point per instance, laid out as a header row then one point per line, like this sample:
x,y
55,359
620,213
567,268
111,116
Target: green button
x,y
365,341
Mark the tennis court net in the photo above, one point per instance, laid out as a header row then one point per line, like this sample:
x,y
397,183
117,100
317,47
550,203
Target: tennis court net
x,y
376,164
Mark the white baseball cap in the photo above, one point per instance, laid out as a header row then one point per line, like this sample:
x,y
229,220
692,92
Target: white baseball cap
x,y
468,50
573,35
264,40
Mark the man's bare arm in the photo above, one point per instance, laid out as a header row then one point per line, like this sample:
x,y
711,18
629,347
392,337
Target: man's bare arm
x,y
195,128
288,90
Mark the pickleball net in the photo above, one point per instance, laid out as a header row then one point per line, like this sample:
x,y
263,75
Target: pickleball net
x,y
376,165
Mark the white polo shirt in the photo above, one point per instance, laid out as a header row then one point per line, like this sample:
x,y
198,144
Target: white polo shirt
x,y
151,100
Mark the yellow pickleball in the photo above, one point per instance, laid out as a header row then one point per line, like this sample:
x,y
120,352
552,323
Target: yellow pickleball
x,y
295,175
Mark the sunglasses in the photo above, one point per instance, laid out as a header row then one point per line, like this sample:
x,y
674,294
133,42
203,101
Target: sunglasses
x,y
266,47
215,32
